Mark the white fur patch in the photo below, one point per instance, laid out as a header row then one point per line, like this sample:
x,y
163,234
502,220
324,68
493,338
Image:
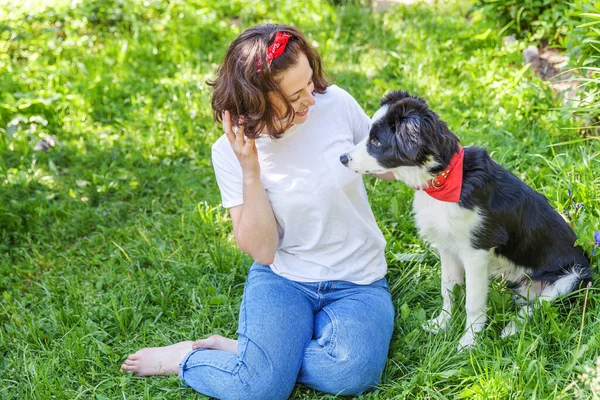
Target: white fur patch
x,y
449,228
502,267
359,159
415,177
444,224
562,286
379,114
362,162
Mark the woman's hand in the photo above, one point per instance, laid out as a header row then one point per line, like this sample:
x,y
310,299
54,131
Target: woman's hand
x,y
244,148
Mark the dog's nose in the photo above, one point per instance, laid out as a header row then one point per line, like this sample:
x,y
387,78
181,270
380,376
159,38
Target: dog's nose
x,y
344,159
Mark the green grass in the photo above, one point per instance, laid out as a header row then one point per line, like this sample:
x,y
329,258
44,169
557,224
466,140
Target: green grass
x,y
115,239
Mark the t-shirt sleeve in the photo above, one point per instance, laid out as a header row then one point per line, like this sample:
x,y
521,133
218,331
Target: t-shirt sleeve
x,y
228,172
359,120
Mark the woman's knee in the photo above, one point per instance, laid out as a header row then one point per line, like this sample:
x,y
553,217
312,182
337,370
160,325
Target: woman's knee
x,y
351,375
223,375
358,377
269,385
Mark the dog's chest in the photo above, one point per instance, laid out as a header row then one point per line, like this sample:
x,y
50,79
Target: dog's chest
x,y
443,224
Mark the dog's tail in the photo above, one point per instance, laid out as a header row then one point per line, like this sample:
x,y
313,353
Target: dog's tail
x,y
576,277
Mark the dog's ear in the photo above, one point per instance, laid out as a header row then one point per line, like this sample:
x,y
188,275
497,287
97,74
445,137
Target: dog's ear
x,y
409,119
409,140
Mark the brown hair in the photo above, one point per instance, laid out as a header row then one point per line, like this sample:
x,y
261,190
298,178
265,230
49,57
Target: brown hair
x,y
242,89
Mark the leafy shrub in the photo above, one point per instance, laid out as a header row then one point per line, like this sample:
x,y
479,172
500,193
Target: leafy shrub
x,y
539,19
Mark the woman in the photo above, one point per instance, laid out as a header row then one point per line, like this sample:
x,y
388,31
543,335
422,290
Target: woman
x,y
316,307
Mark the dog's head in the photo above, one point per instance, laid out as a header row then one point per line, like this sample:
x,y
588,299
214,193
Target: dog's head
x,y
406,137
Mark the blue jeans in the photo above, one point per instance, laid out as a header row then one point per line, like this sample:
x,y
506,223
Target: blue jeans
x,y
330,336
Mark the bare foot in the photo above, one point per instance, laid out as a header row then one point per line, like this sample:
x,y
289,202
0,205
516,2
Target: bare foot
x,y
216,342
157,360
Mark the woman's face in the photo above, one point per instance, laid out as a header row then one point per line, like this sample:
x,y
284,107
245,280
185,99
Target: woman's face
x,y
297,85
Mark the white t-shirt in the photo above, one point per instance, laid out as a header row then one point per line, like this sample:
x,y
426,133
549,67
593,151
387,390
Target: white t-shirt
x,y
327,230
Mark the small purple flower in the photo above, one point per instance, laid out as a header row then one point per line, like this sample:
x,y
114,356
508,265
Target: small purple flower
x,y
570,193
596,242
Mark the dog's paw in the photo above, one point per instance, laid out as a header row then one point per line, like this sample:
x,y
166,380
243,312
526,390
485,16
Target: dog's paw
x,y
510,329
438,324
467,341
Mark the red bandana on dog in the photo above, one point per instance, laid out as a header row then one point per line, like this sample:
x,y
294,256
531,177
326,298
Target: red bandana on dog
x,y
448,184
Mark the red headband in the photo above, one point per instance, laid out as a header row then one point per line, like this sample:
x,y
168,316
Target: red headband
x,y
276,48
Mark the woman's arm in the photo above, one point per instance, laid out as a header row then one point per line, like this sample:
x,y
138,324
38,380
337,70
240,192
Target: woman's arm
x,y
254,224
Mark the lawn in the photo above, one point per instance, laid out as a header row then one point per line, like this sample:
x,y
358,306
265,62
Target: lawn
x,y
114,238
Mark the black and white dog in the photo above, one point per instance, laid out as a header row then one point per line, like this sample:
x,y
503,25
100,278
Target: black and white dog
x,y
483,220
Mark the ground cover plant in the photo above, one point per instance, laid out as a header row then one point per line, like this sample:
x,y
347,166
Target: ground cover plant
x,y
112,237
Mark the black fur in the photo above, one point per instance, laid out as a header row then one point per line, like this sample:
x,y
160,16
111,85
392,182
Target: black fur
x,y
519,223
404,134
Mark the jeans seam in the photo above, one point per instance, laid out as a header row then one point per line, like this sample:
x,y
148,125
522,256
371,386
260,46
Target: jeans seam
x,y
334,334
218,366
242,330
243,339
333,287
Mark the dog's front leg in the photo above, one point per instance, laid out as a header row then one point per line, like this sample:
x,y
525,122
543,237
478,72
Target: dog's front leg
x,y
452,275
476,278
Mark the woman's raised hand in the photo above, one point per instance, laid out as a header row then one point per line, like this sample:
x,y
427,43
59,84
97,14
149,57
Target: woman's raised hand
x,y
244,148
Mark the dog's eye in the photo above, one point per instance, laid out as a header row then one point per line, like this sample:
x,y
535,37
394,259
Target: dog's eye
x,y
375,142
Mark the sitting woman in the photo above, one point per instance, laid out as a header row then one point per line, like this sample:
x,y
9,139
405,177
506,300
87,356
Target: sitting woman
x,y
316,307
